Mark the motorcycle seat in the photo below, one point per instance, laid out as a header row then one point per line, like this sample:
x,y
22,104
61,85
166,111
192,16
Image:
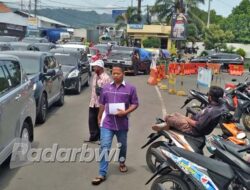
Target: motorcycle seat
x,y
197,143
215,166
234,149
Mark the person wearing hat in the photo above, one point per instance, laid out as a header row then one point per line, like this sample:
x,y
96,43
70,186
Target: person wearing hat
x,y
100,78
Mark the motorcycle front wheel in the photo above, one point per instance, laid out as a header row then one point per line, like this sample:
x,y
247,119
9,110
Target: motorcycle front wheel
x,y
151,159
246,121
170,181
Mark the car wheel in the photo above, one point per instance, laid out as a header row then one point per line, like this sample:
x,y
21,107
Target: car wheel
x,y
135,68
147,70
25,133
78,87
60,102
42,112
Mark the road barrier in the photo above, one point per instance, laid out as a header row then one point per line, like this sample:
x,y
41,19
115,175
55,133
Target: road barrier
x,y
161,71
236,70
152,80
215,67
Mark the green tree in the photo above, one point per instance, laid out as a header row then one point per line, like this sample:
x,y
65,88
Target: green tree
x,y
129,17
239,22
166,8
215,37
192,33
152,43
241,52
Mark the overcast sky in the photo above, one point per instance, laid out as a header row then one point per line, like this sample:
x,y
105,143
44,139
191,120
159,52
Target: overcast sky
x,y
222,7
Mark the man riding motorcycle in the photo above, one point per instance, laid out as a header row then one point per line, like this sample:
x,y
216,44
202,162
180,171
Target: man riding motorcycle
x,y
200,124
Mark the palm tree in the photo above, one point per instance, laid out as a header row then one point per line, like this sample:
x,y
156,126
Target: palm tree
x,y
166,8
129,17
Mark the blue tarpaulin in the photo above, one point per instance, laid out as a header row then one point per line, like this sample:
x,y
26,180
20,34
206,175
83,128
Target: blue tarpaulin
x,y
144,54
165,53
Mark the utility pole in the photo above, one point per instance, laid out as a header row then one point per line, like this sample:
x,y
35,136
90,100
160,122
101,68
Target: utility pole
x,y
35,8
139,9
29,7
21,5
132,3
208,17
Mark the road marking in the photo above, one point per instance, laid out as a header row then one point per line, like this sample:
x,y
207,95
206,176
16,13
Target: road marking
x,y
163,107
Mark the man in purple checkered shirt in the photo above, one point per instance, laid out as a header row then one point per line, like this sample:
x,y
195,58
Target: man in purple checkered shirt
x,y
117,100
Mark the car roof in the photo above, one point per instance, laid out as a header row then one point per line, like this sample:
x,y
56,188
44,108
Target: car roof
x,y
37,38
72,46
8,57
27,53
225,54
4,43
20,43
64,50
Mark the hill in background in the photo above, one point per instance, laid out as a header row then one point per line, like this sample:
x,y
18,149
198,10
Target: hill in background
x,y
76,18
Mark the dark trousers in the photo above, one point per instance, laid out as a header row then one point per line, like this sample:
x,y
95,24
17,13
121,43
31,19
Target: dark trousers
x,y
94,129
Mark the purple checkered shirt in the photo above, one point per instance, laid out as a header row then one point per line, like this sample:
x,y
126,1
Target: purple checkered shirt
x,y
125,93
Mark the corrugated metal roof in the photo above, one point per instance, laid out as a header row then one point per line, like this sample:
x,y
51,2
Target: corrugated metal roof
x,y
52,21
12,18
4,8
45,19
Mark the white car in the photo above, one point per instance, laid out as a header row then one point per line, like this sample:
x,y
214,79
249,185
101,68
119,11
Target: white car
x,y
17,105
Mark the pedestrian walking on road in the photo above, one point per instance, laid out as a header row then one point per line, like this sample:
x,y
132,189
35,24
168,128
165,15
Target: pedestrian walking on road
x,y
117,100
100,78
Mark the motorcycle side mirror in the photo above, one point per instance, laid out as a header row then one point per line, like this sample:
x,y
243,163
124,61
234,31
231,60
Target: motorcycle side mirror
x,y
241,135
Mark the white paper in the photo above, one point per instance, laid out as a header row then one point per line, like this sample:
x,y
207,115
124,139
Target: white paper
x,y
113,107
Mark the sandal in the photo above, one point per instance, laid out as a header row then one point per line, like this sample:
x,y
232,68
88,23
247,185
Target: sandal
x,y
123,168
98,180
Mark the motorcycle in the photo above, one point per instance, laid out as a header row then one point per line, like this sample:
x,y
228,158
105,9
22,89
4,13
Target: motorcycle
x,y
187,170
230,132
236,101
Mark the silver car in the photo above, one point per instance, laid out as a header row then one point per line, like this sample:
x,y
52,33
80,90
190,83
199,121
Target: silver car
x,y
17,105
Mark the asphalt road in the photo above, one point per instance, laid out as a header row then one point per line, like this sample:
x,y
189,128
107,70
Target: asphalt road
x,y
68,127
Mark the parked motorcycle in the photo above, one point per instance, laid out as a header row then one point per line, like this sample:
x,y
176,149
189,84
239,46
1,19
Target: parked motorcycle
x,y
237,101
230,132
185,170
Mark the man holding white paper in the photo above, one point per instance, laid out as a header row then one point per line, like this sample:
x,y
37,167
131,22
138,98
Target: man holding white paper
x,y
117,100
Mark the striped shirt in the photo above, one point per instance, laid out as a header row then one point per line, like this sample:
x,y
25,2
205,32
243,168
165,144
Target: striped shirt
x,y
100,81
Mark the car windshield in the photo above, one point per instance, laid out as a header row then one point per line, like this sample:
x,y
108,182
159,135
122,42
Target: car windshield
x,y
44,47
123,48
31,65
66,59
102,49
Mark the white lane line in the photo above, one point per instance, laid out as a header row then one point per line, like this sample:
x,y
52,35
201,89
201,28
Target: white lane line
x,y
163,107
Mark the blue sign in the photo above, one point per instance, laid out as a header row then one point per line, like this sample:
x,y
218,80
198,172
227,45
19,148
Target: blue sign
x,y
116,13
136,26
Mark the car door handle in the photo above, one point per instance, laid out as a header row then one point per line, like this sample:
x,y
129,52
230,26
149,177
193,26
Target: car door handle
x,y
17,98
